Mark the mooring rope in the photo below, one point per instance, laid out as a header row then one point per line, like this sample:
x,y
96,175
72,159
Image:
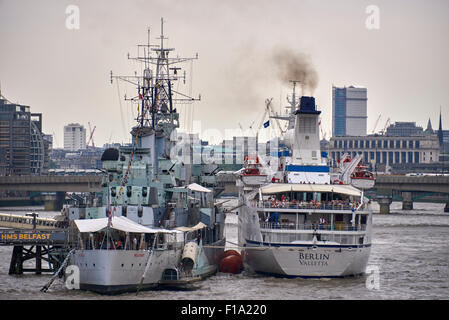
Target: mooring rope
x,y
47,286
146,267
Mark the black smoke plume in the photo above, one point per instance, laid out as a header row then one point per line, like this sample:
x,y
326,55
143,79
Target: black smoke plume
x,y
296,66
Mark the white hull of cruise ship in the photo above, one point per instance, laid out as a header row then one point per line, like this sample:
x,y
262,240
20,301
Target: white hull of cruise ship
x,y
319,261
314,259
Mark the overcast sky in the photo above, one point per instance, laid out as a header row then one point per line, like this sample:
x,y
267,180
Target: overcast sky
x,y
64,74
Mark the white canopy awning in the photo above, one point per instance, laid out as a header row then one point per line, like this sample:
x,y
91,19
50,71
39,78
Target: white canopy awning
x,y
118,223
200,225
196,187
290,187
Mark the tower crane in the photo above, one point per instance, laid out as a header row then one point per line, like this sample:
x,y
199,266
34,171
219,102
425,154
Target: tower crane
x,y
387,123
376,123
91,136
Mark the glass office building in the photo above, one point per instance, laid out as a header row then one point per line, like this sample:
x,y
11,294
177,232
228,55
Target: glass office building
x,y
349,111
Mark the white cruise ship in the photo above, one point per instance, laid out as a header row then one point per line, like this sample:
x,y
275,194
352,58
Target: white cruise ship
x,y
297,223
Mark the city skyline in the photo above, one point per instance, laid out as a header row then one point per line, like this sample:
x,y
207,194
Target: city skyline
x,y
64,74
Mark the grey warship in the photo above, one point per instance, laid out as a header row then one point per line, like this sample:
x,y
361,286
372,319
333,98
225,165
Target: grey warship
x,y
156,221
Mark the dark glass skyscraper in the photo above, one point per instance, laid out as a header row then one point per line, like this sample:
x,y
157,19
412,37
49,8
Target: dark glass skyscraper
x,y
349,111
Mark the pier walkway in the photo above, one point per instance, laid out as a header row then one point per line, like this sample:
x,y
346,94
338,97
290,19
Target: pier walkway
x,y
49,246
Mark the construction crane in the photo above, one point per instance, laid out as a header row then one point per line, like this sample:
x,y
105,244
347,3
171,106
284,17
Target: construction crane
x,y
91,137
387,123
270,106
268,109
375,124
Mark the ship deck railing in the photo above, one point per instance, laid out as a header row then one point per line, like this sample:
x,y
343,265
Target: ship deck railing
x,y
338,226
308,205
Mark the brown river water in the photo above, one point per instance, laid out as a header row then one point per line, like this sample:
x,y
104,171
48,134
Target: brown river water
x,y
410,251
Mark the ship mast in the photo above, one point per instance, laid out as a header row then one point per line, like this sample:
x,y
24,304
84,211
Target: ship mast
x,y
294,103
156,96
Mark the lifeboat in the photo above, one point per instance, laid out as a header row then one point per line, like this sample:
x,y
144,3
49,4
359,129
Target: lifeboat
x,y
362,178
251,173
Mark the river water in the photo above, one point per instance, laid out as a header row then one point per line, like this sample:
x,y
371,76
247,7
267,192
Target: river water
x,y
409,259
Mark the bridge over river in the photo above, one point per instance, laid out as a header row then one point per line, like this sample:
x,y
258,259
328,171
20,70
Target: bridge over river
x,y
387,187
409,189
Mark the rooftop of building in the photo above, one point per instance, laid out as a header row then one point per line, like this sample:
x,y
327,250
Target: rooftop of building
x,y
352,86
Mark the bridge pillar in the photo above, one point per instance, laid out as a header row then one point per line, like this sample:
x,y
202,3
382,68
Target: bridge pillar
x,y
407,201
54,202
384,204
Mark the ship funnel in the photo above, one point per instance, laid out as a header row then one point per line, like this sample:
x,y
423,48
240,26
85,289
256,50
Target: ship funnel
x,y
307,105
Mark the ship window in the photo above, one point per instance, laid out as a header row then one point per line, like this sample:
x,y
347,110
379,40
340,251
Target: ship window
x,y
140,212
128,191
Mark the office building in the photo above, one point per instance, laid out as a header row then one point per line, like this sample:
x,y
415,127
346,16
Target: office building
x,y
22,149
74,137
382,151
349,111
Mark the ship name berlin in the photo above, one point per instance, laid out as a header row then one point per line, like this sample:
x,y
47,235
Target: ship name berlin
x,y
313,259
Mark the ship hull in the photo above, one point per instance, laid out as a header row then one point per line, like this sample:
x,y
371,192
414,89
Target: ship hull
x,y
118,271
306,259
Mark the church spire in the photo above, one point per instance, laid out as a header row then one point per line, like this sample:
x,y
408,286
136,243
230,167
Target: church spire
x,y
429,127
